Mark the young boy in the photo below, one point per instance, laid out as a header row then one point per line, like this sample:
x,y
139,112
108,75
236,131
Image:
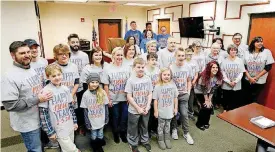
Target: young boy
x,y
57,115
139,94
152,70
194,76
182,77
69,70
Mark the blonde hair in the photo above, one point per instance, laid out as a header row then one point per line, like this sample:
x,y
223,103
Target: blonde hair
x,y
160,81
151,42
114,52
138,61
188,50
60,48
50,69
99,95
179,49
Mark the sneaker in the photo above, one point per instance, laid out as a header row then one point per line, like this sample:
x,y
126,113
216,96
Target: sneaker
x,y
133,148
200,127
116,138
147,147
51,145
188,138
206,126
175,134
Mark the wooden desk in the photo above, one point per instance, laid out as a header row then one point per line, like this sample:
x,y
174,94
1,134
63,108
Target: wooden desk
x,y
240,118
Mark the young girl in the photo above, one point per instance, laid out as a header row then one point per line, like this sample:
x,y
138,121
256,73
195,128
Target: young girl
x,y
165,106
209,81
94,102
114,79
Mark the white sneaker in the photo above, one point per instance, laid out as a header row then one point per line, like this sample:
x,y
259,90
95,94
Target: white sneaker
x,y
188,138
175,134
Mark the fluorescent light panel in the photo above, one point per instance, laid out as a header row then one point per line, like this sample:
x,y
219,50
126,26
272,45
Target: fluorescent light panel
x,y
139,4
81,1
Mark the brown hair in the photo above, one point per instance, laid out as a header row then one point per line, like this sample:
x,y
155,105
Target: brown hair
x,y
60,48
138,61
126,49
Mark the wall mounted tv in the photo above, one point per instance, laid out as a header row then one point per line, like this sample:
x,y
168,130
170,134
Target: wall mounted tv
x,y
191,27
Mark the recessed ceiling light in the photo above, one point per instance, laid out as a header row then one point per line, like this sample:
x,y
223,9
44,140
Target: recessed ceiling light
x,y
139,4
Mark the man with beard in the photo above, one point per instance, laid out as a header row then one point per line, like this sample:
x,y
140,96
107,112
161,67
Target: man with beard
x,y
166,56
21,95
81,59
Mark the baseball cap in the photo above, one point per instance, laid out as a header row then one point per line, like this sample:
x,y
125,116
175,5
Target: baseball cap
x,y
31,42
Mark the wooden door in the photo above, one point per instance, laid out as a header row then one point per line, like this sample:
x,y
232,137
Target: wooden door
x,y
264,25
108,28
164,22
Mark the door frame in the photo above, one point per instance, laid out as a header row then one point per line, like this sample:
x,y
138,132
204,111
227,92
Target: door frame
x,y
111,21
164,19
257,15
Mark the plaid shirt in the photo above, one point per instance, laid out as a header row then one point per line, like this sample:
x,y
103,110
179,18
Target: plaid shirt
x,y
46,121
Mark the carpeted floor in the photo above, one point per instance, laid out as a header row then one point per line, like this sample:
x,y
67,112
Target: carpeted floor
x,y
221,137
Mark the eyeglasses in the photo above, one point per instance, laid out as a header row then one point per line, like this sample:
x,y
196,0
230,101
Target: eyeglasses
x,y
63,54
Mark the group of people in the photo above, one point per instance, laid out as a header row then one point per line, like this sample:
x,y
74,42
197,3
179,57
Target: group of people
x,y
141,92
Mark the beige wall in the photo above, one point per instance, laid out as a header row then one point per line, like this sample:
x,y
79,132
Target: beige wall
x,y
18,22
207,9
59,20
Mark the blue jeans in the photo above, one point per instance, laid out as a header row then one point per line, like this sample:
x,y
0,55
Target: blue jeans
x,y
32,140
120,117
98,133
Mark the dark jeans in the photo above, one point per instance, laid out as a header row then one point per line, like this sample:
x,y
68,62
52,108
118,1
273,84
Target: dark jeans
x,y
217,96
251,92
79,111
153,122
120,117
231,99
205,113
32,140
263,146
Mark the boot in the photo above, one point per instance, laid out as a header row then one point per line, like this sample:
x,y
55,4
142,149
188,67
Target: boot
x,y
116,137
161,142
167,141
94,145
123,136
100,142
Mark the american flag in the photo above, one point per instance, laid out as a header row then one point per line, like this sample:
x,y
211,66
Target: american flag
x,y
126,24
94,39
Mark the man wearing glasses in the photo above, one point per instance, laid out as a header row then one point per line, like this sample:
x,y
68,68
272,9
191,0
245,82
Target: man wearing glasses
x,y
242,48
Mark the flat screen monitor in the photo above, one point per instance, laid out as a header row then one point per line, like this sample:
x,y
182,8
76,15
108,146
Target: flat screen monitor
x,y
191,27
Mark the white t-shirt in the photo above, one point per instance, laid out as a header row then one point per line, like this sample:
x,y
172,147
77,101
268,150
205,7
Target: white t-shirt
x,y
70,73
166,58
60,115
232,71
96,112
165,95
39,67
140,89
256,62
127,62
242,51
152,74
20,83
116,77
81,59
180,76
200,59
194,67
